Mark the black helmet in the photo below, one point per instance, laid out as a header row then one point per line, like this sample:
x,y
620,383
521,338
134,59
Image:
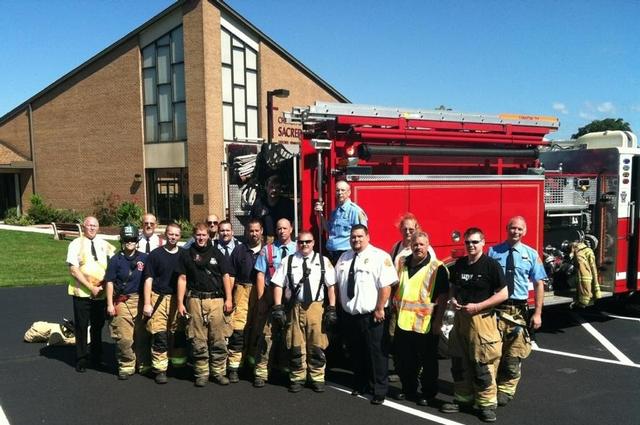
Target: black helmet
x,y
129,233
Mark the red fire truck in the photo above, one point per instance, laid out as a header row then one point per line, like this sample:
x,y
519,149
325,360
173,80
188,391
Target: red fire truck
x,y
455,170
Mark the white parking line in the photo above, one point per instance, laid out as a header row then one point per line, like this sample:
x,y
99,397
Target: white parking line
x,y
409,410
3,418
636,319
604,341
580,356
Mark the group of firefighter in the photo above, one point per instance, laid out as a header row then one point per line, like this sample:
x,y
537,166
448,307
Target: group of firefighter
x,y
268,307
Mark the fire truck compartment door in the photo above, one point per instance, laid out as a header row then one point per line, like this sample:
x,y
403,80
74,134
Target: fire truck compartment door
x,y
446,207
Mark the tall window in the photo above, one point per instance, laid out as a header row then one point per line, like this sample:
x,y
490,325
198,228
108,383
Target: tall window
x,y
239,86
165,114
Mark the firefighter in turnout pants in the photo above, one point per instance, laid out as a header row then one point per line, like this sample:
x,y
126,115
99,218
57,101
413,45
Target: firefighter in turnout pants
x,y
243,278
477,285
204,279
168,342
124,284
268,353
521,265
302,277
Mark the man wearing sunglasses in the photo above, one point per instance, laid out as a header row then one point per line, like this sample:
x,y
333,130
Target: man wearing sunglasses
x,y
477,286
213,223
522,267
301,279
148,240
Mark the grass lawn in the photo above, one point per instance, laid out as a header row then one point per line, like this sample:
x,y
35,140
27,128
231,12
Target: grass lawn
x,y
33,259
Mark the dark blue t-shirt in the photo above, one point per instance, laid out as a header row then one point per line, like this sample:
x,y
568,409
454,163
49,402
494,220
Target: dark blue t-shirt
x,y
161,266
126,273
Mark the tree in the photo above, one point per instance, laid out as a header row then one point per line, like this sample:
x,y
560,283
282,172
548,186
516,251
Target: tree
x,y
603,125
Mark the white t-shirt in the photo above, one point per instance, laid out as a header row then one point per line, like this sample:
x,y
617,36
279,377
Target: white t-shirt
x,y
280,277
373,270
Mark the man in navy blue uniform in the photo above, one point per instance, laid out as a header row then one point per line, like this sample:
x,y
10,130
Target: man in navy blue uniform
x,y
243,279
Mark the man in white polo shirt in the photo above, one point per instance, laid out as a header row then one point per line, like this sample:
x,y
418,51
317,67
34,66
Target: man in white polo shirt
x,y
365,275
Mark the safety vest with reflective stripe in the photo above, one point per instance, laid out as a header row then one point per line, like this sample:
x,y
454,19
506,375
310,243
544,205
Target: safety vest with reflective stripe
x,y
413,299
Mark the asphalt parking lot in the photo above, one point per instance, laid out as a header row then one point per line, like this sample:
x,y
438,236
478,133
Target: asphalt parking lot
x,y
586,370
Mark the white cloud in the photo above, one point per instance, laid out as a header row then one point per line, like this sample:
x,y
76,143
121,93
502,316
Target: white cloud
x,y
606,107
635,108
560,107
587,115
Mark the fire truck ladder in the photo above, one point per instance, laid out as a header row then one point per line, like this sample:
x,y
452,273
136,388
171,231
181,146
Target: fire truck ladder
x,y
383,123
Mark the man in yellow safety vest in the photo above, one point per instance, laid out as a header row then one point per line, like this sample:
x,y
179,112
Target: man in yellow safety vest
x,y
420,303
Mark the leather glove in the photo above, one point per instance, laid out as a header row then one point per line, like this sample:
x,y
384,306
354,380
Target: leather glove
x,y
329,317
278,316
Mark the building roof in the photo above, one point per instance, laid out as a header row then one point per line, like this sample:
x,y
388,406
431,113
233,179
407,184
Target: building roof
x,y
223,6
11,159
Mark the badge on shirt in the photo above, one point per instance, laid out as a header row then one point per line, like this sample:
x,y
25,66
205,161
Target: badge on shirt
x,y
213,261
140,266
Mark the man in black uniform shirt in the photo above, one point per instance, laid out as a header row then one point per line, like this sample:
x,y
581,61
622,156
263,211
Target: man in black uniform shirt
x,y
204,273
160,306
272,207
477,285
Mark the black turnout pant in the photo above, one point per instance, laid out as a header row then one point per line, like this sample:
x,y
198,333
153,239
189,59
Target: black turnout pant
x,y
89,311
368,358
417,352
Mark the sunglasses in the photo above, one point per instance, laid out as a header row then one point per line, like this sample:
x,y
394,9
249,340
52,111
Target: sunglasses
x,y
148,223
301,242
130,240
212,223
472,242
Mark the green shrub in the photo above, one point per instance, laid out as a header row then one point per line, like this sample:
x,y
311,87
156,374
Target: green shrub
x,y
12,217
129,212
11,213
68,216
105,208
40,212
185,226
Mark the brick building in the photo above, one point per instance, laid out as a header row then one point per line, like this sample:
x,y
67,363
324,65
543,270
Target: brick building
x,y
151,117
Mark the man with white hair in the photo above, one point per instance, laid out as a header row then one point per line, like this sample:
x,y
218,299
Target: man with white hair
x,y
87,258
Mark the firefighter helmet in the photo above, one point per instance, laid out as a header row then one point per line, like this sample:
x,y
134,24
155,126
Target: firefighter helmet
x,y
129,233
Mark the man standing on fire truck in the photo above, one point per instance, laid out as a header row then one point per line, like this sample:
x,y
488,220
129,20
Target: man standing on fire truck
x,y
346,215
521,264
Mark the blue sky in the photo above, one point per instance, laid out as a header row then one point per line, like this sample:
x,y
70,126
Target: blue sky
x,y
577,60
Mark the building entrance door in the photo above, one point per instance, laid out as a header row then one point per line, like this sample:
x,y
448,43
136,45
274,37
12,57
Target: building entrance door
x,y
8,199
168,193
